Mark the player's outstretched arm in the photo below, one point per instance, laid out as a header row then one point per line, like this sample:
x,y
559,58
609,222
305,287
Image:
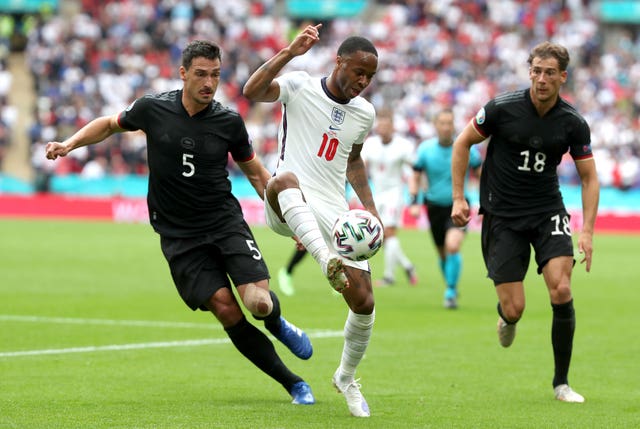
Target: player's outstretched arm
x,y
94,132
260,85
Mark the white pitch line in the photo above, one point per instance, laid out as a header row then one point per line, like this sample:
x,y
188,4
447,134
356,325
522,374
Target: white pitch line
x,y
119,347
115,347
77,321
137,346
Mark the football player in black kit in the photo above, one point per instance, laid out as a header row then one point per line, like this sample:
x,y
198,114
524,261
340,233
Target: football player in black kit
x,y
530,130
203,234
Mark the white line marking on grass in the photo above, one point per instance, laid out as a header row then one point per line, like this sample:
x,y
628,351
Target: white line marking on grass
x,y
320,333
78,321
160,344
120,347
116,347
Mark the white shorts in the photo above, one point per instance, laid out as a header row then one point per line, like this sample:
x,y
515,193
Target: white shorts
x,y
325,213
390,204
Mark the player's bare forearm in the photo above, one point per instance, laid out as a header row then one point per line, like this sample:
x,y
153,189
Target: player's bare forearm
x,y
256,173
590,193
94,132
460,214
590,199
459,164
357,177
260,85
414,183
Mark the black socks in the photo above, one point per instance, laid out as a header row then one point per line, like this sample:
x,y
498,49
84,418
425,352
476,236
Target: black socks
x,y
257,347
562,329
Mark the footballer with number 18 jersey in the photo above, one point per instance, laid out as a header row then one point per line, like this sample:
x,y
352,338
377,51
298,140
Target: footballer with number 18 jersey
x,y
530,130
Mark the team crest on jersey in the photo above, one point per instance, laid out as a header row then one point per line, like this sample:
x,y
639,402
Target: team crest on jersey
x,y
535,142
188,143
337,115
130,106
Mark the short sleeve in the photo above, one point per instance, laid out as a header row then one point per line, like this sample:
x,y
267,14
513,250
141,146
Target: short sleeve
x,y
133,117
241,148
581,141
419,164
484,120
290,83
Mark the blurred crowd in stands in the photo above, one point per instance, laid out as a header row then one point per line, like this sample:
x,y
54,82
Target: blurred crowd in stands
x,y
433,54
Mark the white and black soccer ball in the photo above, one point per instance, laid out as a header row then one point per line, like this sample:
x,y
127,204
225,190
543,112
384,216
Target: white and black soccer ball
x,y
357,235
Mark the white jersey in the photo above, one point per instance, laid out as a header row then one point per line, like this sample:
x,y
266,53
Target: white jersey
x,y
387,163
317,134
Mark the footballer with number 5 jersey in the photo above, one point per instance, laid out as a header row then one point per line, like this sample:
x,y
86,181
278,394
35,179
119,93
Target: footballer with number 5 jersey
x,y
203,234
530,130
324,124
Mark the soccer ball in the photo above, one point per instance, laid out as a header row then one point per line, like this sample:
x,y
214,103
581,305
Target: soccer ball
x,y
357,235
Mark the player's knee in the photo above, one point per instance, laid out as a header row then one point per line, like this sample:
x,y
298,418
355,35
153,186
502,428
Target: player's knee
x,y
561,293
224,306
363,304
257,300
283,181
512,311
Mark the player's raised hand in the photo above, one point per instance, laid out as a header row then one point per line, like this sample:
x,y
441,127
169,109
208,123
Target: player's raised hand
x,y
305,40
56,149
460,212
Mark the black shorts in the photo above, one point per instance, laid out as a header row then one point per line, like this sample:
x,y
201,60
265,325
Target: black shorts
x,y
439,221
202,265
506,243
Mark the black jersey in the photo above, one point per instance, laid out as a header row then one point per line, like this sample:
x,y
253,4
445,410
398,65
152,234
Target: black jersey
x,y
189,187
519,175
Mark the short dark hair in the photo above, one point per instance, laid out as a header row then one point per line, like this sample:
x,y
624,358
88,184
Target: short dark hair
x,y
200,49
546,50
443,111
356,43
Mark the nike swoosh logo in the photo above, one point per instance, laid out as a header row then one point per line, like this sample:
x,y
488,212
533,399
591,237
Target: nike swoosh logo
x,y
332,128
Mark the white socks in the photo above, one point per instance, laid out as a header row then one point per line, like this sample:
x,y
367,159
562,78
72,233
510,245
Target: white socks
x,y
304,225
394,255
357,332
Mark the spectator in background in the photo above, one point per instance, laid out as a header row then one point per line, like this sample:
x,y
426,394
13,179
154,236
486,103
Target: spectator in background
x,y
432,55
285,280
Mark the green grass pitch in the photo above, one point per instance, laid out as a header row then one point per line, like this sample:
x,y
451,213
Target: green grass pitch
x,y
94,335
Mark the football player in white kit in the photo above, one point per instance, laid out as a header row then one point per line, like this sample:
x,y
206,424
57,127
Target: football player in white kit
x,y
324,124
387,155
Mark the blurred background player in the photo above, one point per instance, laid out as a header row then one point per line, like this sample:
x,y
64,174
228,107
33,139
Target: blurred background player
x,y
387,156
285,275
433,162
